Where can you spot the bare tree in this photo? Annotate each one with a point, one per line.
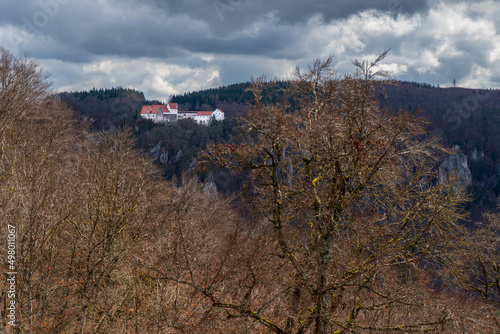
(78, 201)
(346, 194)
(477, 269)
(342, 226)
(36, 135)
(192, 252)
(104, 221)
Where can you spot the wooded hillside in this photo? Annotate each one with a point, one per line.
(340, 225)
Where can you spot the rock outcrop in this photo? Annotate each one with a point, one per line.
(455, 164)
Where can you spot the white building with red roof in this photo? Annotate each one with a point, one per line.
(203, 117)
(159, 113)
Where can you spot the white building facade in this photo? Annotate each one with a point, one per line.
(202, 117)
(169, 113)
(159, 113)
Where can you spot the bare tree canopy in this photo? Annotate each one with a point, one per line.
(342, 227)
(346, 192)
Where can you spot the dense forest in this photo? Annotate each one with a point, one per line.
(468, 119)
(341, 222)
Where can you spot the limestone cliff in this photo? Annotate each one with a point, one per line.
(455, 164)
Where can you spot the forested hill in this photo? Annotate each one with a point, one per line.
(465, 118)
(469, 118)
(336, 220)
(211, 97)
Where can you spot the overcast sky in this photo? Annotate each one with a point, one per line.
(166, 47)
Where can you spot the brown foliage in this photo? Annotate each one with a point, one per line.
(344, 228)
(346, 194)
(476, 268)
(79, 202)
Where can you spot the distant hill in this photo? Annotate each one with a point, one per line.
(195, 100)
(173, 146)
(108, 108)
(469, 118)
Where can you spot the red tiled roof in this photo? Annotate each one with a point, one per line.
(204, 113)
(173, 106)
(154, 109)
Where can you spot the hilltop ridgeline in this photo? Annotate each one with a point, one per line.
(467, 119)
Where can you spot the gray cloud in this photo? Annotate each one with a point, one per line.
(166, 47)
(224, 16)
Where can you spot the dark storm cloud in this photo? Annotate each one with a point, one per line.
(108, 28)
(167, 46)
(169, 29)
(226, 15)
